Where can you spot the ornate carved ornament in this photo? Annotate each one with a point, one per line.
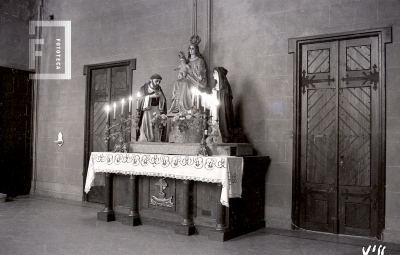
(161, 200)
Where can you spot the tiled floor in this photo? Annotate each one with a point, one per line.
(35, 226)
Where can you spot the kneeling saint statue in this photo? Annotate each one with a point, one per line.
(223, 113)
(151, 103)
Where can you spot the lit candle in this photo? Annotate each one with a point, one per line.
(204, 98)
(193, 94)
(130, 102)
(216, 109)
(198, 101)
(108, 111)
(115, 107)
(122, 104)
(138, 97)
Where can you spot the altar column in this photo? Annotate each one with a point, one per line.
(187, 226)
(108, 213)
(220, 212)
(220, 233)
(133, 218)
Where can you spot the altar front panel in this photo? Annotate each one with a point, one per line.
(242, 214)
(205, 198)
(147, 189)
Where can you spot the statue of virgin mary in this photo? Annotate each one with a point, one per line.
(195, 77)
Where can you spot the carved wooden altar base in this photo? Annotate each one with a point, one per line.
(196, 207)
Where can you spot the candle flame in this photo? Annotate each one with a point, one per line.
(115, 104)
(122, 101)
(107, 108)
(196, 91)
(138, 94)
(130, 98)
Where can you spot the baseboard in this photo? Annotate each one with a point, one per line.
(59, 195)
(333, 238)
(66, 201)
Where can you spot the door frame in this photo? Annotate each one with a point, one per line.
(87, 70)
(384, 36)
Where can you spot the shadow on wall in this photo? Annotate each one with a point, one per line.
(249, 110)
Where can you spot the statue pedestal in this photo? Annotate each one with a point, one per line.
(185, 130)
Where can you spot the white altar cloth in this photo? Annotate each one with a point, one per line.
(215, 169)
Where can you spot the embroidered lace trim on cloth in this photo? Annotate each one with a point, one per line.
(225, 170)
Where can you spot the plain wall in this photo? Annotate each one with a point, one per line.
(14, 34)
(249, 39)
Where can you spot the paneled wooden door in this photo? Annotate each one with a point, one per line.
(340, 136)
(16, 93)
(108, 85)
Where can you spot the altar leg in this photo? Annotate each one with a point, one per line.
(133, 218)
(220, 232)
(108, 213)
(187, 226)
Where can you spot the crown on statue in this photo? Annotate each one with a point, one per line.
(195, 39)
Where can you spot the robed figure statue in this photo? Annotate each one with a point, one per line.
(192, 74)
(150, 103)
(223, 113)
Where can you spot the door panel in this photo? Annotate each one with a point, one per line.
(358, 133)
(15, 128)
(339, 133)
(108, 85)
(318, 175)
(100, 83)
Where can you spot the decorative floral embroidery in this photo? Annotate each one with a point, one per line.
(153, 159)
(224, 170)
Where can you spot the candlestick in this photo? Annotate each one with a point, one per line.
(115, 107)
(205, 102)
(130, 102)
(138, 97)
(122, 104)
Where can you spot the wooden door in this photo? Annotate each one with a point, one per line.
(108, 85)
(340, 136)
(15, 132)
(358, 149)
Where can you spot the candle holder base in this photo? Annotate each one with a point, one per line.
(119, 132)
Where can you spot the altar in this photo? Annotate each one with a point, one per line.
(190, 166)
(219, 196)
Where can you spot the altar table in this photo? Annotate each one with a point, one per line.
(221, 196)
(226, 170)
